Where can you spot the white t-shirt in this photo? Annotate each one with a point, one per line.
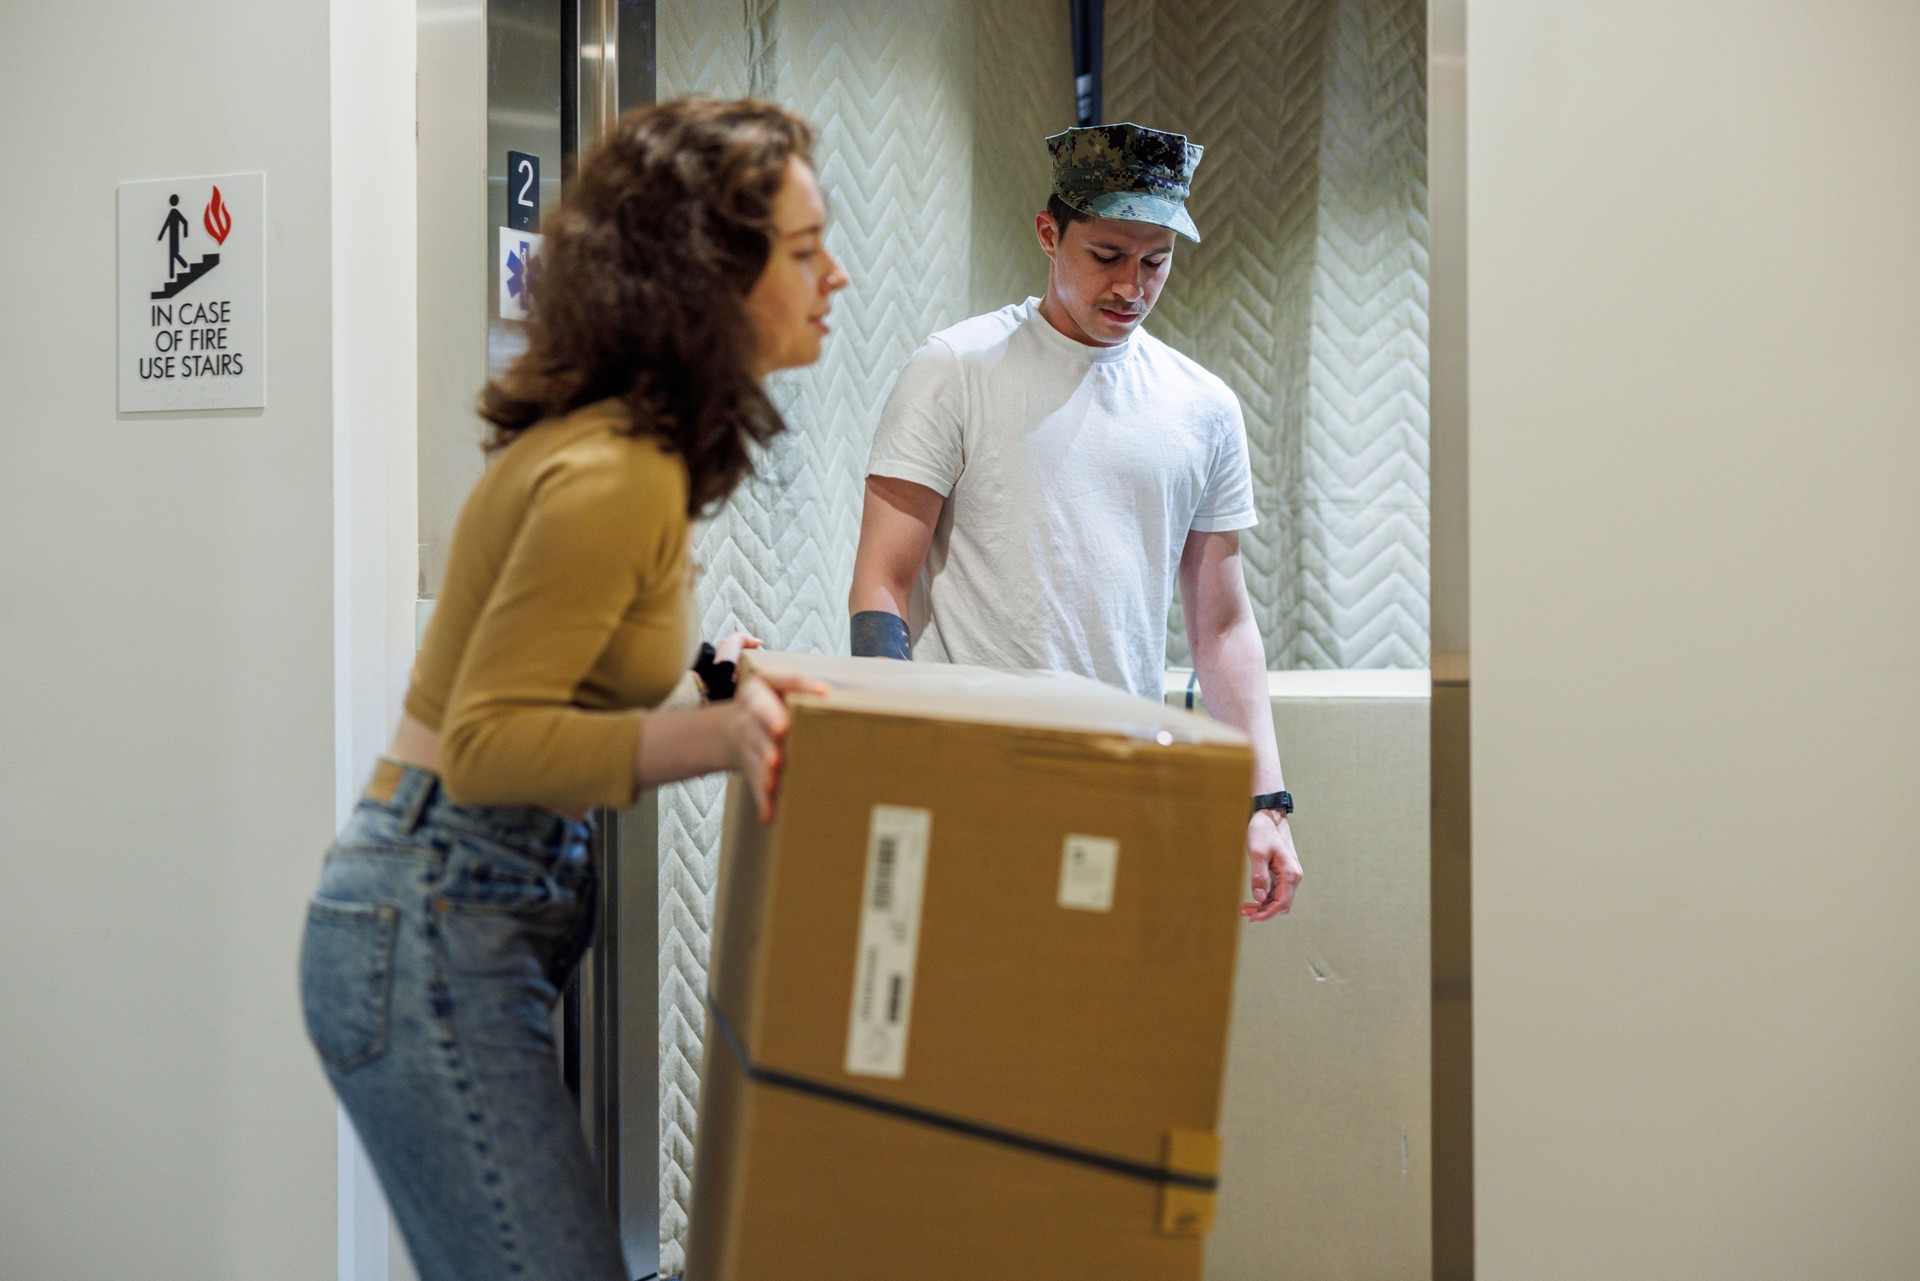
(1072, 476)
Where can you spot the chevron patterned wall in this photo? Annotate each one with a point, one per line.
(932, 197)
(1023, 83)
(1309, 295)
(695, 51)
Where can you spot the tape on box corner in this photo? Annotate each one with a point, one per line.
(1184, 1211)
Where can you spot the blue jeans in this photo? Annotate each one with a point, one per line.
(435, 948)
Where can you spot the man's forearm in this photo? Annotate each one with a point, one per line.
(877, 627)
(896, 531)
(869, 593)
(1232, 667)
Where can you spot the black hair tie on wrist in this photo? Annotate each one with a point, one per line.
(718, 677)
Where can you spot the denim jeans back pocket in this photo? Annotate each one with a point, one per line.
(346, 979)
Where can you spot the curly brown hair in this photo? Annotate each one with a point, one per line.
(640, 288)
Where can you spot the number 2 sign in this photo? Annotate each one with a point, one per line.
(523, 191)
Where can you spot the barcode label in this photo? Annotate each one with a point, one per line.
(886, 851)
(890, 900)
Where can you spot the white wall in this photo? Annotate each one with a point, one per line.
(1695, 384)
(167, 663)
(376, 493)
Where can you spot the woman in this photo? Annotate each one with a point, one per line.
(685, 265)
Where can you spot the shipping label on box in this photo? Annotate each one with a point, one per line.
(889, 941)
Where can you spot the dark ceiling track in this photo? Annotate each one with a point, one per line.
(1089, 35)
(569, 106)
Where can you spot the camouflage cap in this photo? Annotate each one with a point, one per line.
(1125, 171)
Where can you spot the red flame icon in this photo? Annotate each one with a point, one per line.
(216, 219)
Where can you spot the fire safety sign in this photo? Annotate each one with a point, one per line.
(193, 304)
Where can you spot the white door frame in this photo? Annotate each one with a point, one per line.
(375, 447)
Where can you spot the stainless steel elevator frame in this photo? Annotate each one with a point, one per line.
(558, 75)
(612, 1019)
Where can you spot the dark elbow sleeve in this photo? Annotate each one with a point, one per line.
(879, 634)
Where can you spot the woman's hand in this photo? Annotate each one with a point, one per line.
(747, 733)
(757, 732)
(730, 649)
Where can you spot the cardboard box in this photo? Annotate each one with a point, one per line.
(1328, 1105)
(969, 993)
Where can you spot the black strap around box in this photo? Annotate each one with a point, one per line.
(957, 1125)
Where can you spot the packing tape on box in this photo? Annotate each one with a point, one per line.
(1196, 1176)
(1187, 1211)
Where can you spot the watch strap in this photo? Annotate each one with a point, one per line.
(1282, 801)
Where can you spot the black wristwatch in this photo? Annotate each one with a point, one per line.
(715, 677)
(1282, 801)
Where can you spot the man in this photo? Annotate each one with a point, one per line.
(1044, 474)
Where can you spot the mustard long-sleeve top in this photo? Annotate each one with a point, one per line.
(565, 612)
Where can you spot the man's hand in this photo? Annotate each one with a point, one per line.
(1276, 868)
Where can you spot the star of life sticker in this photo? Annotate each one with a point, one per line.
(518, 252)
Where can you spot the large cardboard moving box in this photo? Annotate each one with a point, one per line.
(969, 992)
